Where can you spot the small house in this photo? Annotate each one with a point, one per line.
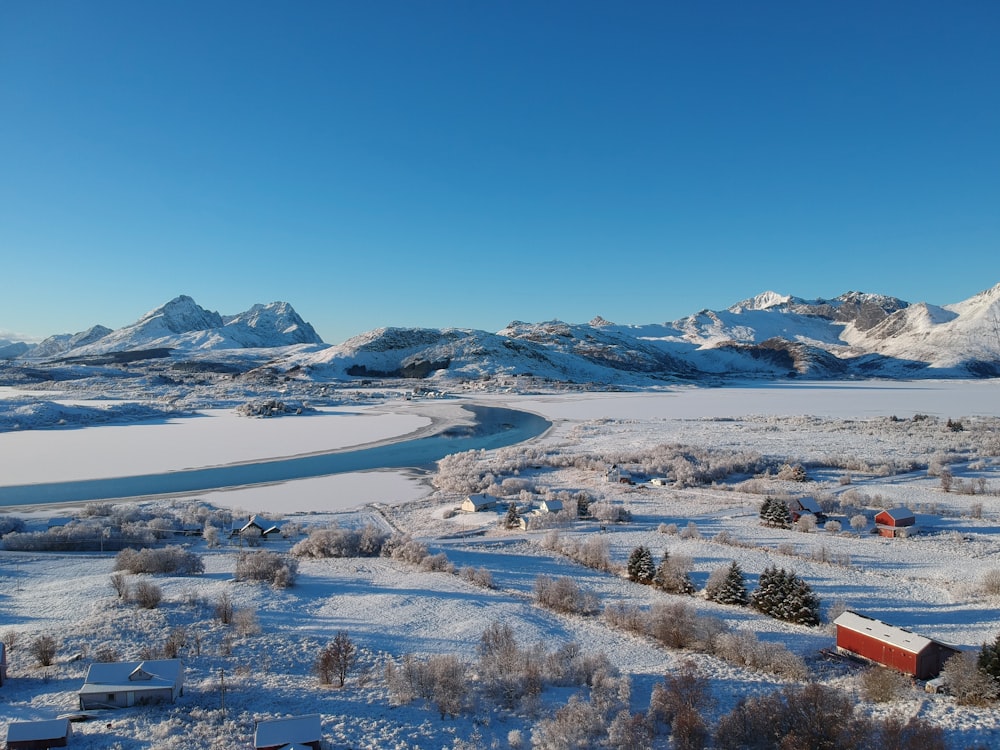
(659, 481)
(802, 506)
(38, 735)
(291, 732)
(3, 664)
(256, 528)
(895, 522)
(617, 475)
(478, 502)
(550, 506)
(129, 683)
(889, 646)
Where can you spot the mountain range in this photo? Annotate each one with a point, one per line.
(769, 335)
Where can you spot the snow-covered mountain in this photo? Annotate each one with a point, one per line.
(182, 324)
(768, 335)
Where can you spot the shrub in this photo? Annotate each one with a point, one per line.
(167, 560)
(245, 622)
(990, 582)
(267, 567)
(881, 685)
(832, 527)
(146, 594)
(119, 582)
(686, 689)
(967, 682)
(563, 595)
(859, 522)
(672, 575)
(44, 649)
(792, 473)
(336, 542)
(477, 576)
(224, 608)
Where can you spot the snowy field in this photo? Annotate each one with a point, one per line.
(929, 583)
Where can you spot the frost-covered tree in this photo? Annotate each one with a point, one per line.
(672, 575)
(513, 518)
(640, 566)
(726, 586)
(774, 513)
(989, 659)
(785, 596)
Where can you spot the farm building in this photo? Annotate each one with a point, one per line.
(802, 506)
(550, 506)
(38, 735)
(129, 683)
(478, 502)
(294, 731)
(895, 522)
(617, 475)
(884, 644)
(253, 527)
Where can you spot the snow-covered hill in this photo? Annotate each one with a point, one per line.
(767, 336)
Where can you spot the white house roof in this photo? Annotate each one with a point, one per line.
(481, 500)
(890, 634)
(271, 732)
(109, 677)
(23, 731)
(552, 505)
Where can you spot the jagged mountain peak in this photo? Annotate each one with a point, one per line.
(763, 301)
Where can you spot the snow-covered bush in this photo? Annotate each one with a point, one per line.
(146, 594)
(562, 594)
(44, 648)
(881, 685)
(970, 685)
(175, 560)
(337, 542)
(267, 567)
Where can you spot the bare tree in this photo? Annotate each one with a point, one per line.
(44, 649)
(146, 594)
(224, 608)
(119, 582)
(336, 659)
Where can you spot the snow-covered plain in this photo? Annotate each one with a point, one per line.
(927, 583)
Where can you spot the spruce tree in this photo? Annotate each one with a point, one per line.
(640, 565)
(785, 596)
(728, 589)
(513, 519)
(775, 513)
(989, 659)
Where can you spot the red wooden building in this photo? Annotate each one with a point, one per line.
(875, 641)
(891, 522)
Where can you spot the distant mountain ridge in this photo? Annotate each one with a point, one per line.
(183, 324)
(766, 336)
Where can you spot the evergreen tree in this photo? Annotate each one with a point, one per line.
(775, 513)
(989, 659)
(785, 596)
(513, 519)
(671, 577)
(728, 588)
(640, 566)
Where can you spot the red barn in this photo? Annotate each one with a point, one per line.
(890, 522)
(890, 646)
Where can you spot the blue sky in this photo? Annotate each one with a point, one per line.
(469, 163)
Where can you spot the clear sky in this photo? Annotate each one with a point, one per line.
(467, 163)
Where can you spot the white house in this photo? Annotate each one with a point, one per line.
(478, 502)
(617, 475)
(129, 683)
(550, 506)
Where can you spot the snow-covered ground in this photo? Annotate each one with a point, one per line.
(928, 583)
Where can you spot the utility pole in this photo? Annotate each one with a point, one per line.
(222, 690)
